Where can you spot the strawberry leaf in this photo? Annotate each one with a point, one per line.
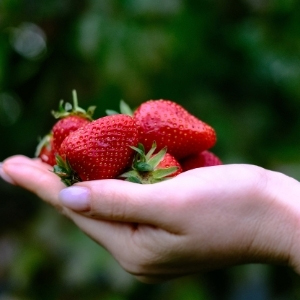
(44, 142)
(63, 170)
(125, 108)
(133, 179)
(151, 151)
(68, 106)
(157, 158)
(110, 112)
(139, 151)
(91, 110)
(146, 168)
(162, 173)
(128, 174)
(143, 167)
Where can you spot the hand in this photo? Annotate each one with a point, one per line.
(203, 219)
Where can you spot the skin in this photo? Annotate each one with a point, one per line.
(203, 219)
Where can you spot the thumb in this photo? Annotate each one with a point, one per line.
(122, 201)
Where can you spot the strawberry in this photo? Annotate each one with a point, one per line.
(202, 159)
(71, 118)
(44, 150)
(64, 127)
(170, 125)
(98, 150)
(170, 161)
(150, 167)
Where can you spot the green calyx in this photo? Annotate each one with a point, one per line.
(64, 171)
(145, 167)
(43, 142)
(124, 109)
(67, 109)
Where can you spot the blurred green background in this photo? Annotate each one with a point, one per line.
(234, 64)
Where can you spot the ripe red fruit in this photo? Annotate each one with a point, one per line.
(64, 127)
(71, 117)
(170, 125)
(98, 150)
(168, 162)
(202, 159)
(151, 168)
(44, 150)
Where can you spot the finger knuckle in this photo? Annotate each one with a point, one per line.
(140, 263)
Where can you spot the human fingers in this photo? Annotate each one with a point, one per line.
(130, 202)
(130, 243)
(34, 176)
(123, 201)
(147, 252)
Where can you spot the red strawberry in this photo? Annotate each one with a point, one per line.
(170, 125)
(64, 127)
(168, 162)
(44, 150)
(98, 150)
(71, 118)
(152, 168)
(202, 159)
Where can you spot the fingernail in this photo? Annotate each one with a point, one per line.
(75, 198)
(4, 176)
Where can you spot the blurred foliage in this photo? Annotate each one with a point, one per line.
(234, 64)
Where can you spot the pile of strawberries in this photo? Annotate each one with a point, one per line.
(157, 141)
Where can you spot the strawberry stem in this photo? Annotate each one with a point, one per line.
(75, 99)
(76, 108)
(69, 109)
